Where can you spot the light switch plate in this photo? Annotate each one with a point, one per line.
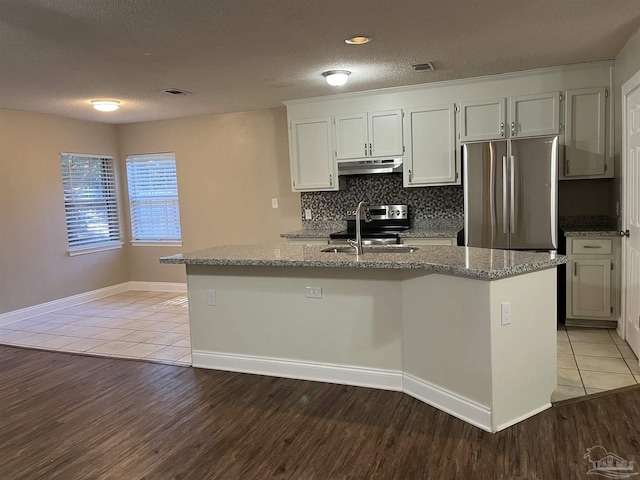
(274, 203)
(211, 298)
(505, 309)
(307, 214)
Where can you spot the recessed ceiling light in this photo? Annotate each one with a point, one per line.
(105, 105)
(358, 40)
(336, 78)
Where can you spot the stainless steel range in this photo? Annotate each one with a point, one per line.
(387, 222)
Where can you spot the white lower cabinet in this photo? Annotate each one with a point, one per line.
(592, 278)
(431, 157)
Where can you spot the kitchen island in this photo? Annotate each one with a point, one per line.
(428, 323)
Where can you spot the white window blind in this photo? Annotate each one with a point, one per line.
(153, 197)
(90, 201)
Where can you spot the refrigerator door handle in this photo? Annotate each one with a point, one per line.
(512, 188)
(505, 193)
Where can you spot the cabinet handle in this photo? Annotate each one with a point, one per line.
(592, 246)
(513, 129)
(409, 176)
(502, 129)
(370, 151)
(365, 149)
(575, 269)
(331, 180)
(568, 166)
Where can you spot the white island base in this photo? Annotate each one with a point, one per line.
(436, 337)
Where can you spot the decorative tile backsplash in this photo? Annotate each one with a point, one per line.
(424, 202)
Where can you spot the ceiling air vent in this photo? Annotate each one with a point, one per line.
(176, 91)
(423, 67)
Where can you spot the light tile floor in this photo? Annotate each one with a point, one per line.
(593, 360)
(145, 325)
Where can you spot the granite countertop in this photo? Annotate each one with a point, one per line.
(310, 233)
(589, 226)
(479, 263)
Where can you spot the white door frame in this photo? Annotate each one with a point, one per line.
(629, 86)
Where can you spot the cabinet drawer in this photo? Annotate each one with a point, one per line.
(596, 246)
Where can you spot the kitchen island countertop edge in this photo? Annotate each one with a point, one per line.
(479, 263)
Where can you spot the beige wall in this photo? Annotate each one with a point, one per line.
(229, 168)
(34, 264)
(627, 64)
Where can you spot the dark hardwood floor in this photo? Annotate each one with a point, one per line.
(70, 417)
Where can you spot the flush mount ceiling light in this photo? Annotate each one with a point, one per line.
(358, 40)
(105, 105)
(336, 78)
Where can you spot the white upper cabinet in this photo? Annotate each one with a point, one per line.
(373, 134)
(352, 139)
(585, 151)
(534, 115)
(528, 116)
(482, 120)
(313, 165)
(431, 157)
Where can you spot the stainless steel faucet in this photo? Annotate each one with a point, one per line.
(357, 243)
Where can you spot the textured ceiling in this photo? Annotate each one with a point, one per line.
(237, 55)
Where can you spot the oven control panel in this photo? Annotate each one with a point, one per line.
(383, 212)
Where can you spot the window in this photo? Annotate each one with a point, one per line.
(153, 198)
(90, 202)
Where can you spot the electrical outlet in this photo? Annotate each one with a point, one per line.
(505, 309)
(274, 203)
(307, 214)
(313, 292)
(211, 298)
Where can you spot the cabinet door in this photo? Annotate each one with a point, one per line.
(312, 161)
(431, 146)
(584, 153)
(351, 136)
(534, 115)
(591, 288)
(385, 133)
(482, 120)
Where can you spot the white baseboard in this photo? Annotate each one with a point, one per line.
(460, 407)
(533, 412)
(159, 286)
(52, 306)
(319, 372)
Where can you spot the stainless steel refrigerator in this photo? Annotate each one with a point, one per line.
(510, 194)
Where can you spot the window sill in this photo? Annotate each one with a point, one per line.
(99, 248)
(156, 243)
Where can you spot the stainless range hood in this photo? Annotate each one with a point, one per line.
(364, 166)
